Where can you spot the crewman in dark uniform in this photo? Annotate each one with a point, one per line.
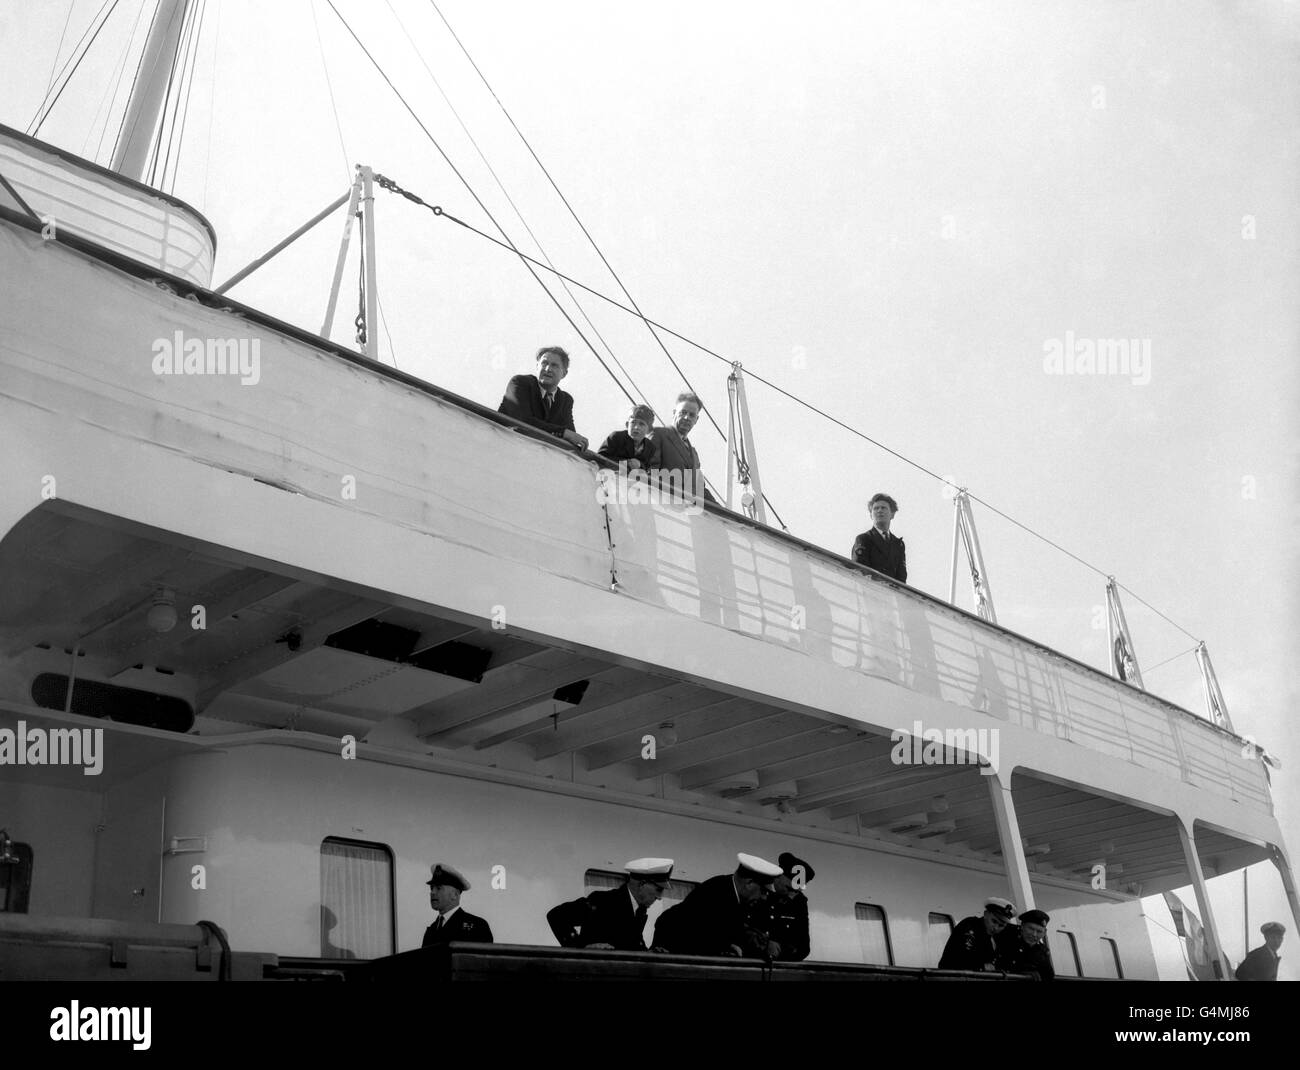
(1261, 964)
(1023, 948)
(614, 919)
(712, 920)
(972, 945)
(445, 887)
(783, 915)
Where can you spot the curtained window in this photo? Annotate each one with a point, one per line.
(357, 917)
(873, 935)
(937, 930)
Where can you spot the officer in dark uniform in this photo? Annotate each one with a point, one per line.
(972, 945)
(1261, 964)
(445, 887)
(783, 915)
(614, 919)
(1023, 948)
(713, 919)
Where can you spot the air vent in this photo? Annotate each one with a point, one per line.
(376, 639)
(127, 705)
(457, 659)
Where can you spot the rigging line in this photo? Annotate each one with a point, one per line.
(50, 107)
(510, 200)
(329, 85)
(1158, 613)
(387, 334)
(55, 63)
(121, 71)
(827, 416)
(212, 97)
(1150, 669)
(177, 76)
(110, 94)
(31, 123)
(192, 68)
(157, 145)
(447, 159)
(583, 228)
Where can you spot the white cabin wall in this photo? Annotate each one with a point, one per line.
(266, 810)
(59, 823)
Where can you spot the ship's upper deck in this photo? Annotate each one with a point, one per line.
(327, 492)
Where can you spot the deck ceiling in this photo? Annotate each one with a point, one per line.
(281, 651)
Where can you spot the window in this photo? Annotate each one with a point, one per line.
(937, 931)
(873, 934)
(1110, 959)
(357, 917)
(598, 880)
(1065, 954)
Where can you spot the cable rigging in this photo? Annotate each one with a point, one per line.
(635, 307)
(74, 61)
(447, 159)
(514, 207)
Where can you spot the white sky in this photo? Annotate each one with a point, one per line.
(890, 209)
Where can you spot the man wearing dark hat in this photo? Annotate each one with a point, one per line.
(1023, 948)
(783, 916)
(973, 944)
(445, 887)
(1261, 964)
(712, 919)
(613, 919)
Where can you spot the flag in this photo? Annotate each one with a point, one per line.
(1188, 926)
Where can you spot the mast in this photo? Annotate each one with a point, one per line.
(149, 94)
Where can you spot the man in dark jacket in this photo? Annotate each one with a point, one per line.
(712, 919)
(445, 887)
(972, 945)
(538, 399)
(1023, 948)
(783, 915)
(878, 548)
(679, 463)
(1261, 964)
(614, 919)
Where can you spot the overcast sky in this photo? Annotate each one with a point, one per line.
(897, 211)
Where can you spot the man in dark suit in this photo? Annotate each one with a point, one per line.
(445, 887)
(712, 919)
(1261, 964)
(613, 919)
(538, 399)
(679, 463)
(877, 548)
(1023, 948)
(973, 944)
(783, 915)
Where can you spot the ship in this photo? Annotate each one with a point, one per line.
(283, 625)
